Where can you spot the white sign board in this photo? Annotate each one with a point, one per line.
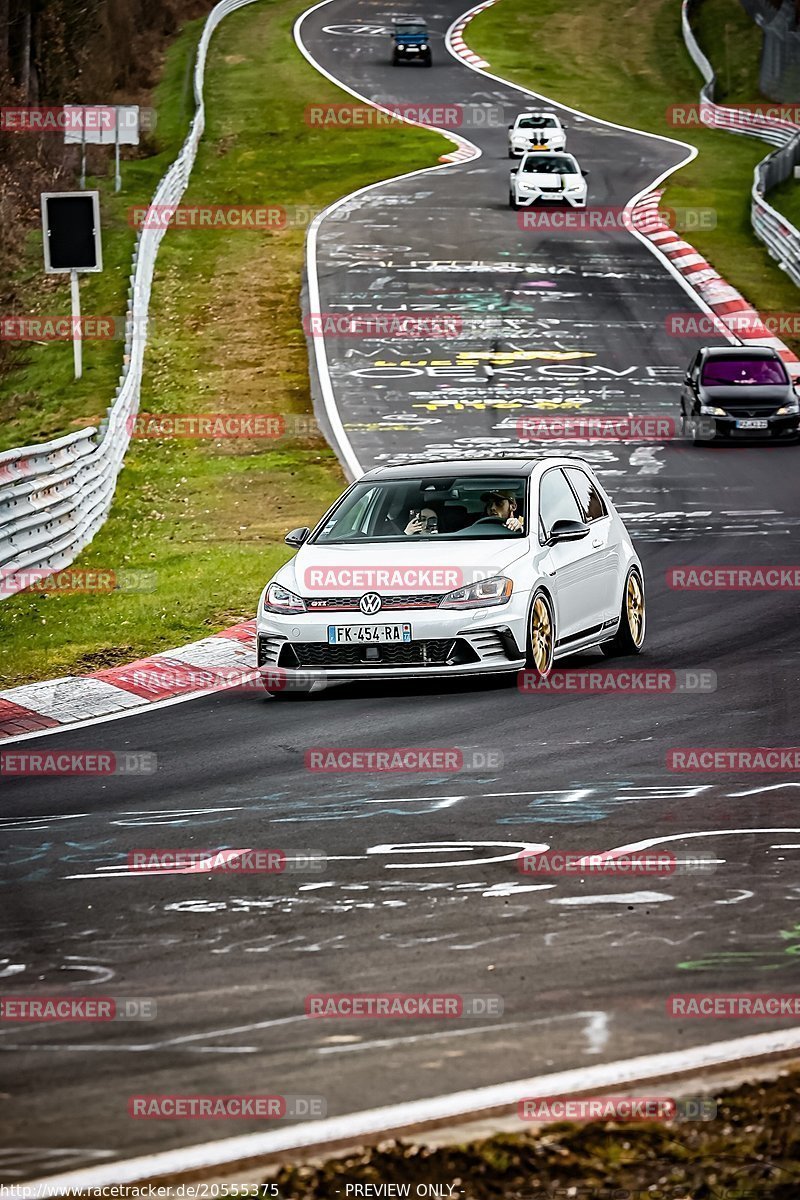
(101, 124)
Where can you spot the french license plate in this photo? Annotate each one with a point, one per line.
(354, 635)
(752, 424)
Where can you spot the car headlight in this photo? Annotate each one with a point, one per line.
(710, 410)
(279, 599)
(481, 594)
(574, 187)
(424, 46)
(787, 409)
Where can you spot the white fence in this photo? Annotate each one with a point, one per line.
(775, 231)
(54, 497)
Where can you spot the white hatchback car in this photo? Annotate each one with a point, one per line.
(454, 568)
(537, 130)
(549, 178)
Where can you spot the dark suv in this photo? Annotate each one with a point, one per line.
(736, 393)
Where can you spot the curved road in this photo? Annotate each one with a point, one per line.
(420, 891)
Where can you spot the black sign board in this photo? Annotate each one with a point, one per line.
(71, 231)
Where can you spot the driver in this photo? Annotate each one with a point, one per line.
(502, 505)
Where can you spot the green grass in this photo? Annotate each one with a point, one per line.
(205, 519)
(633, 79)
(41, 399)
(731, 41)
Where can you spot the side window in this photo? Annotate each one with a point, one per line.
(357, 517)
(556, 501)
(589, 498)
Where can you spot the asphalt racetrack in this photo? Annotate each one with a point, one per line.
(421, 891)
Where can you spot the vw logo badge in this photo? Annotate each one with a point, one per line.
(370, 603)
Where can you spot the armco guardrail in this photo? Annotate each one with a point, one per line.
(778, 235)
(54, 497)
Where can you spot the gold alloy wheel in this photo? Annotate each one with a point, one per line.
(541, 635)
(634, 604)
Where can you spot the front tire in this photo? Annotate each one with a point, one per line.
(541, 636)
(512, 201)
(629, 638)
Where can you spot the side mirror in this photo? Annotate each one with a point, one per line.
(514, 170)
(567, 531)
(585, 174)
(296, 537)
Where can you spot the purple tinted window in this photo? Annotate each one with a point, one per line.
(729, 372)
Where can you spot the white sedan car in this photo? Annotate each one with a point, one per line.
(545, 177)
(535, 131)
(453, 568)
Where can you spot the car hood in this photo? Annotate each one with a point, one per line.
(746, 394)
(543, 178)
(407, 567)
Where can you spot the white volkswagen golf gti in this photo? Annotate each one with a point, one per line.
(453, 568)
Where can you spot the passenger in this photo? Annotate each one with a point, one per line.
(425, 521)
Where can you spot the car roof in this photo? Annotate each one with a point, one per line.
(425, 469)
(746, 351)
(408, 21)
(537, 112)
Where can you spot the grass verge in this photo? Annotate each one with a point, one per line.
(630, 67)
(749, 1151)
(204, 520)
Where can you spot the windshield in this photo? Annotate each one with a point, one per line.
(536, 123)
(451, 508)
(411, 29)
(550, 164)
(732, 372)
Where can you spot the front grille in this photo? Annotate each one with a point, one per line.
(430, 653)
(350, 603)
(749, 409)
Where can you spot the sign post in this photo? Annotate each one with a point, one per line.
(102, 125)
(71, 240)
(77, 341)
